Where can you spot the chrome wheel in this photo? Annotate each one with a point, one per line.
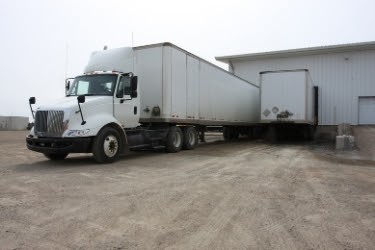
(177, 140)
(191, 138)
(110, 145)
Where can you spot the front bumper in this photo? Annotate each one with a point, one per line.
(60, 145)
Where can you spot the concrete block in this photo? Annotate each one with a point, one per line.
(344, 142)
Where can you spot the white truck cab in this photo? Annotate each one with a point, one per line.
(94, 101)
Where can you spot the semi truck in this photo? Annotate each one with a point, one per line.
(289, 103)
(148, 97)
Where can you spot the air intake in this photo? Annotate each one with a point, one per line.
(49, 123)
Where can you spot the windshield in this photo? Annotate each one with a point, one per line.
(93, 85)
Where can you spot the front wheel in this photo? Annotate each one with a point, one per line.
(55, 157)
(107, 145)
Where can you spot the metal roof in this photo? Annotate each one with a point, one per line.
(300, 52)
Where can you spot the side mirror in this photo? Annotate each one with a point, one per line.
(81, 99)
(67, 85)
(134, 86)
(32, 100)
(68, 81)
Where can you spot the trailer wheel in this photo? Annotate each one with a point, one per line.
(174, 140)
(55, 157)
(107, 145)
(190, 137)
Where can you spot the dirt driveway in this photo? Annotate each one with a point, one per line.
(240, 195)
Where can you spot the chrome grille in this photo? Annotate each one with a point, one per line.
(49, 123)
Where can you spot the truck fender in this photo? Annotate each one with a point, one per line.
(124, 139)
(107, 121)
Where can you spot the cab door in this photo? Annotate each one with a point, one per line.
(126, 108)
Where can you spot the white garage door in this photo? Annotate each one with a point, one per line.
(366, 110)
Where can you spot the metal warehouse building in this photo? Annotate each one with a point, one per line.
(345, 75)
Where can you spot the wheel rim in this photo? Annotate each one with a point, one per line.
(110, 145)
(177, 140)
(191, 138)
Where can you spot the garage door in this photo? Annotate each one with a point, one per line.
(366, 110)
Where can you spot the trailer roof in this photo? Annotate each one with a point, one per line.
(192, 55)
(300, 52)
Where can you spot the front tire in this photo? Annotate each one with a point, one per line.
(107, 145)
(55, 156)
(174, 140)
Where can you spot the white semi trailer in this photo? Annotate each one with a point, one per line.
(155, 96)
(289, 101)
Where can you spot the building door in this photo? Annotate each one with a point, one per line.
(366, 106)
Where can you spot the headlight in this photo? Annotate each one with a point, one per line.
(74, 133)
(32, 131)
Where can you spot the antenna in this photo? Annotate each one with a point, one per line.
(66, 59)
(133, 50)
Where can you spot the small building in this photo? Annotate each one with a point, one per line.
(13, 122)
(345, 75)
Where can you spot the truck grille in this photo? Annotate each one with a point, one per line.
(49, 123)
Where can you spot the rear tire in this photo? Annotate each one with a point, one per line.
(107, 145)
(190, 136)
(174, 140)
(55, 157)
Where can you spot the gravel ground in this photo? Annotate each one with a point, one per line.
(365, 140)
(239, 195)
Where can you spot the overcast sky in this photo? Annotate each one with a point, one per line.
(42, 42)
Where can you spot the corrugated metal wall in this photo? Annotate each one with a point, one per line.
(341, 77)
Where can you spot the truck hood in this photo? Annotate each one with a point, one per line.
(70, 102)
(94, 108)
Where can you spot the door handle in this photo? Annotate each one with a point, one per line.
(123, 100)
